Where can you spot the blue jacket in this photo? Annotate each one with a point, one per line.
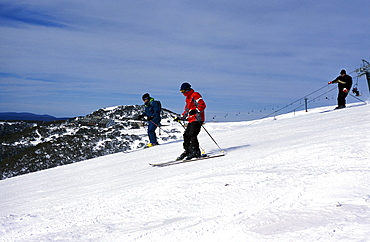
(153, 109)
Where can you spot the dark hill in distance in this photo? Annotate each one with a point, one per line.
(28, 116)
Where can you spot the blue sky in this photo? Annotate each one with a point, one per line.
(247, 58)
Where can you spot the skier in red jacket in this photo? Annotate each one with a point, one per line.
(194, 114)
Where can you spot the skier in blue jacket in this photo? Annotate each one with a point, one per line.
(153, 113)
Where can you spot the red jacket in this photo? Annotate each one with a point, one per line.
(194, 101)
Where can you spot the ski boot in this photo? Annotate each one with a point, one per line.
(151, 145)
(194, 154)
(182, 156)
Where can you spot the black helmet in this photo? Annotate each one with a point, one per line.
(185, 87)
(146, 96)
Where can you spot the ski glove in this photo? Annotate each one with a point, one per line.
(177, 119)
(345, 90)
(150, 118)
(192, 112)
(330, 82)
(141, 116)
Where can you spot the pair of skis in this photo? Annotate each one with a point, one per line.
(175, 162)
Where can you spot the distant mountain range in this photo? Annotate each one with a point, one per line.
(28, 116)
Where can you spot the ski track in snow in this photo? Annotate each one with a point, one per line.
(298, 178)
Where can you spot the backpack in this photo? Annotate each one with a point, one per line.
(159, 103)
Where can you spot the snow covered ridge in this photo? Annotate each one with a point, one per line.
(302, 177)
(28, 147)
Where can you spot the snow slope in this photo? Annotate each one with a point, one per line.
(302, 177)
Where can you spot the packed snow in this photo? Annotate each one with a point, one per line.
(300, 177)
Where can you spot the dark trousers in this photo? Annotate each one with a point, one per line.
(151, 132)
(191, 143)
(342, 99)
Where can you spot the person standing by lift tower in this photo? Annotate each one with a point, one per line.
(344, 86)
(195, 115)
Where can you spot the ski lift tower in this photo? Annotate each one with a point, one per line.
(364, 70)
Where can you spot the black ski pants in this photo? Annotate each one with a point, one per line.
(191, 143)
(342, 98)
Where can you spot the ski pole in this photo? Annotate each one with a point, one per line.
(222, 151)
(156, 125)
(143, 124)
(160, 128)
(142, 121)
(182, 125)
